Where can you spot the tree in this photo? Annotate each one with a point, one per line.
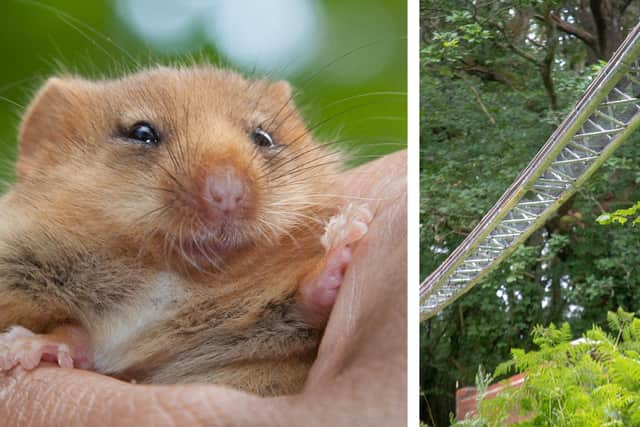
(593, 381)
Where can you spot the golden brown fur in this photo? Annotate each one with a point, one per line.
(98, 229)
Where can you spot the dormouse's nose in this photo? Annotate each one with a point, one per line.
(224, 190)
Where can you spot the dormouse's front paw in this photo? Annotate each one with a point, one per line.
(64, 346)
(341, 232)
(349, 226)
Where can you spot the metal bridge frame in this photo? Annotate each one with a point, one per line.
(605, 116)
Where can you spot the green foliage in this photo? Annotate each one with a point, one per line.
(482, 381)
(621, 216)
(594, 381)
(448, 47)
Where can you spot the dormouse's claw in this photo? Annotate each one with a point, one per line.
(349, 226)
(20, 346)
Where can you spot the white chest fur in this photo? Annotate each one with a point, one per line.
(116, 333)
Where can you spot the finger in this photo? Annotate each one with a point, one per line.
(63, 398)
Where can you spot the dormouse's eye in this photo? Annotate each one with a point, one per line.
(263, 139)
(143, 132)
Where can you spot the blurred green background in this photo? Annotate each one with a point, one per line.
(346, 57)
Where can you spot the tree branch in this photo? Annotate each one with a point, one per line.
(624, 6)
(547, 62)
(521, 53)
(515, 49)
(479, 100)
(485, 73)
(581, 34)
(597, 7)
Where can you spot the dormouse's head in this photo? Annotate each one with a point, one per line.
(196, 161)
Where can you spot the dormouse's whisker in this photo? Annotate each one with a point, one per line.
(173, 178)
(324, 121)
(12, 102)
(306, 167)
(321, 70)
(296, 157)
(303, 182)
(322, 155)
(346, 99)
(68, 19)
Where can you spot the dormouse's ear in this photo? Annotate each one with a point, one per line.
(48, 118)
(281, 91)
